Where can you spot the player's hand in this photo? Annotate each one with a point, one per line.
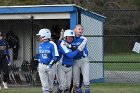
(48, 67)
(73, 48)
(68, 45)
(80, 48)
(61, 34)
(9, 64)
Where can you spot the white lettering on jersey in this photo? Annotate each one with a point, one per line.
(44, 56)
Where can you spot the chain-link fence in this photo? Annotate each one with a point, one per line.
(121, 31)
(112, 59)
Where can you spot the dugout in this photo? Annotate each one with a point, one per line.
(26, 21)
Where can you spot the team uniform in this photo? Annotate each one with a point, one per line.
(66, 62)
(81, 64)
(4, 61)
(47, 56)
(65, 67)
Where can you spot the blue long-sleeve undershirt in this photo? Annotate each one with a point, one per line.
(72, 54)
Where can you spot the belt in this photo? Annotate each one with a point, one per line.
(79, 58)
(66, 65)
(45, 63)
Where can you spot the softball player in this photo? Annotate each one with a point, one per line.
(81, 60)
(47, 56)
(66, 62)
(4, 60)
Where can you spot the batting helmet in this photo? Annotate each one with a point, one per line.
(45, 33)
(69, 33)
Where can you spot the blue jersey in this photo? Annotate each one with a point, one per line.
(4, 51)
(78, 41)
(66, 54)
(47, 52)
(4, 47)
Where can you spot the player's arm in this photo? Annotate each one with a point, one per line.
(72, 53)
(83, 43)
(8, 56)
(7, 52)
(70, 46)
(67, 52)
(52, 61)
(54, 54)
(61, 35)
(80, 47)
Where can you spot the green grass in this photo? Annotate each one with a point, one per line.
(22, 90)
(125, 57)
(122, 66)
(122, 62)
(95, 88)
(115, 88)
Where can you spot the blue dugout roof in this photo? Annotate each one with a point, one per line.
(44, 9)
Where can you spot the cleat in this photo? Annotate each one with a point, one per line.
(5, 85)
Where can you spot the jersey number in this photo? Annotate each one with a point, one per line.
(44, 56)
